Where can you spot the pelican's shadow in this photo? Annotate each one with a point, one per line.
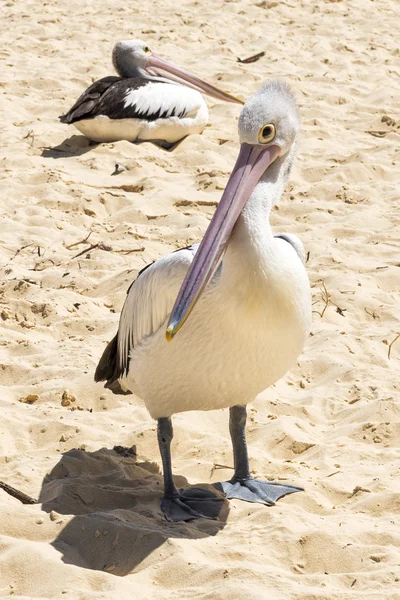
(76, 145)
(115, 501)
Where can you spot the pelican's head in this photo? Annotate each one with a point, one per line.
(134, 58)
(130, 57)
(270, 118)
(268, 129)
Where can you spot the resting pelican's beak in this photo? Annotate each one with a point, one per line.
(158, 66)
(250, 166)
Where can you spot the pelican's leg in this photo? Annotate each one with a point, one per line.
(162, 143)
(165, 145)
(243, 485)
(183, 505)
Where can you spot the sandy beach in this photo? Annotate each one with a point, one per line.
(72, 239)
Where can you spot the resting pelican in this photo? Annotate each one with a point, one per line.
(150, 100)
(246, 298)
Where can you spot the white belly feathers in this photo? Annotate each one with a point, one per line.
(229, 351)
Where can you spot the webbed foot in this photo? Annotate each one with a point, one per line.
(191, 503)
(256, 490)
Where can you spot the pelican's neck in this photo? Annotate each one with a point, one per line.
(252, 235)
(122, 63)
(124, 67)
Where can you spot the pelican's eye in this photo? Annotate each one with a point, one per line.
(266, 133)
(146, 49)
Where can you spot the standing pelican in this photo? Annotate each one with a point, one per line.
(150, 100)
(248, 297)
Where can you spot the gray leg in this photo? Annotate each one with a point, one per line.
(165, 433)
(242, 485)
(237, 429)
(184, 505)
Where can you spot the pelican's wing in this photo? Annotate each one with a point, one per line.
(134, 98)
(87, 103)
(147, 306)
(296, 242)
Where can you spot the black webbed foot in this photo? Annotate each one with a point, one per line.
(191, 503)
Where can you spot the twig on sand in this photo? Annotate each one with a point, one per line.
(16, 254)
(107, 248)
(20, 250)
(24, 498)
(218, 466)
(372, 313)
(80, 242)
(325, 298)
(31, 135)
(391, 344)
(332, 474)
(251, 59)
(86, 250)
(123, 251)
(99, 245)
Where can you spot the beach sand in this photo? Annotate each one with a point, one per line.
(73, 238)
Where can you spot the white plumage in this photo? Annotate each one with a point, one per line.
(247, 317)
(235, 344)
(168, 99)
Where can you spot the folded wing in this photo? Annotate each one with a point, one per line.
(147, 307)
(134, 98)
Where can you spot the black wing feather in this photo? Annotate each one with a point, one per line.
(108, 370)
(89, 100)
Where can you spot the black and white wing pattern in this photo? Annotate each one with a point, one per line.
(161, 100)
(148, 304)
(134, 98)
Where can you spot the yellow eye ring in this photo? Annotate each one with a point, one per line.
(146, 49)
(266, 133)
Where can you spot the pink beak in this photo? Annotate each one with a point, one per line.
(250, 166)
(158, 66)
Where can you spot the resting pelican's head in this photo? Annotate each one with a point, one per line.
(134, 58)
(130, 58)
(268, 129)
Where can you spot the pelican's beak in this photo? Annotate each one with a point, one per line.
(250, 166)
(158, 66)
